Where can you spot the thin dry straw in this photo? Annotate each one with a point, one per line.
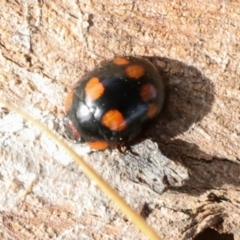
(138, 221)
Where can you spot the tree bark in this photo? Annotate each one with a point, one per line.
(184, 175)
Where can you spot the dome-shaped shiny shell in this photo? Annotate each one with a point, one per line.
(111, 104)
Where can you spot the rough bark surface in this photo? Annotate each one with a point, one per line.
(184, 178)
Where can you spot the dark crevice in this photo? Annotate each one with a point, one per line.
(210, 234)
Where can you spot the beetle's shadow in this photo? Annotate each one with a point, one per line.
(190, 96)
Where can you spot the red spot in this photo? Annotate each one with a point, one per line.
(121, 61)
(68, 101)
(152, 110)
(94, 89)
(148, 92)
(100, 145)
(72, 130)
(114, 120)
(134, 71)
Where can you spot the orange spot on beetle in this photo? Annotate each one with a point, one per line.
(148, 92)
(134, 71)
(152, 110)
(68, 101)
(94, 89)
(114, 120)
(100, 145)
(121, 61)
(75, 134)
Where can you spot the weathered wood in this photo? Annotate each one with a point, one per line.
(185, 177)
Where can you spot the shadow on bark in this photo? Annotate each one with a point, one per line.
(190, 99)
